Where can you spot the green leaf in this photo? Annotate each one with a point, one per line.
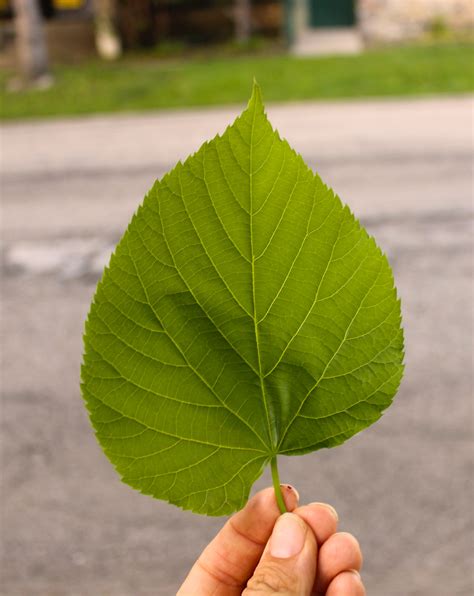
(245, 313)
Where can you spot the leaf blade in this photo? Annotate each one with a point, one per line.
(245, 313)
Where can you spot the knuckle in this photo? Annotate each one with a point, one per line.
(270, 578)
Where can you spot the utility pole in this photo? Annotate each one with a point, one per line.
(31, 45)
(243, 20)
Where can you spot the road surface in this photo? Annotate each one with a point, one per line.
(404, 486)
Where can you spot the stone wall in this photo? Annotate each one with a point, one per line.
(386, 21)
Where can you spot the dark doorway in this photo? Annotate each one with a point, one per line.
(332, 13)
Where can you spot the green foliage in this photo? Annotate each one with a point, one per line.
(244, 314)
(146, 83)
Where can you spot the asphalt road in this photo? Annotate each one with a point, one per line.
(404, 486)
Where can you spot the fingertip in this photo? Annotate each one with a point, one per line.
(327, 506)
(290, 495)
(288, 563)
(257, 518)
(265, 500)
(288, 536)
(338, 554)
(321, 518)
(347, 583)
(352, 545)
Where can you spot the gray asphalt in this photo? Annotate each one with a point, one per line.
(404, 486)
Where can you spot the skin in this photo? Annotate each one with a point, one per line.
(259, 551)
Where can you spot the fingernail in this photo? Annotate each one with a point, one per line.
(330, 507)
(291, 489)
(354, 572)
(288, 536)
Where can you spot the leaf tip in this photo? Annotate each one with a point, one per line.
(256, 100)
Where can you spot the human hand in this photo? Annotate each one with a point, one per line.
(259, 552)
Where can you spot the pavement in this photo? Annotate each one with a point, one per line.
(403, 487)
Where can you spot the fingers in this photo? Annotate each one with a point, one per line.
(321, 518)
(340, 553)
(290, 553)
(229, 560)
(288, 564)
(347, 583)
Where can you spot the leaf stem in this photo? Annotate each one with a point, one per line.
(276, 485)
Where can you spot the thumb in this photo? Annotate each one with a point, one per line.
(288, 564)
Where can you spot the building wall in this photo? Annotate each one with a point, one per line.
(385, 21)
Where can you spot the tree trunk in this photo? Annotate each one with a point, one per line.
(243, 20)
(107, 38)
(31, 43)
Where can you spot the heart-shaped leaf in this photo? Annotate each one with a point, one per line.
(244, 314)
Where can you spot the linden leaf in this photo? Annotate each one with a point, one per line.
(245, 313)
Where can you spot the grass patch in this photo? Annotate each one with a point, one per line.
(138, 83)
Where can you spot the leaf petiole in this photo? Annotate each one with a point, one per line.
(276, 485)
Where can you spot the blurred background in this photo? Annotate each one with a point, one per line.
(100, 98)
